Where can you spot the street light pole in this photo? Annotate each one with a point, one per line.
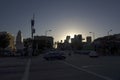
(109, 32)
(32, 26)
(93, 35)
(32, 32)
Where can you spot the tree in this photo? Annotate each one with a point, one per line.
(27, 42)
(4, 40)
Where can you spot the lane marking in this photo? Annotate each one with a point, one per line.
(90, 72)
(92, 66)
(27, 69)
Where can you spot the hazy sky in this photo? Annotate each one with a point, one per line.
(63, 17)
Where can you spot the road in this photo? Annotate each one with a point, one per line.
(75, 67)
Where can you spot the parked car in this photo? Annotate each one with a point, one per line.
(93, 54)
(54, 55)
(8, 53)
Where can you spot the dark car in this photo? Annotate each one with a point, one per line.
(54, 56)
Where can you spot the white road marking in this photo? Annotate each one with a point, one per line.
(90, 72)
(92, 66)
(27, 68)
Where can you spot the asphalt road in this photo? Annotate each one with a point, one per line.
(75, 67)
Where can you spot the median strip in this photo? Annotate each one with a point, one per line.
(27, 69)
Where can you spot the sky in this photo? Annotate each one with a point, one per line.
(63, 17)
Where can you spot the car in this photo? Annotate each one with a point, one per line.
(93, 54)
(8, 53)
(54, 56)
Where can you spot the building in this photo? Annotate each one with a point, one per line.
(88, 44)
(43, 42)
(60, 46)
(67, 39)
(89, 39)
(76, 42)
(108, 45)
(19, 41)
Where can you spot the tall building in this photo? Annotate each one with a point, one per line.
(76, 42)
(88, 39)
(19, 41)
(67, 39)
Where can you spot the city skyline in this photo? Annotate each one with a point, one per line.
(62, 17)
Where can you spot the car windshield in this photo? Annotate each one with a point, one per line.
(59, 39)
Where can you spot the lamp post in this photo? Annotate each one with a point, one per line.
(32, 26)
(109, 32)
(93, 35)
(47, 32)
(32, 32)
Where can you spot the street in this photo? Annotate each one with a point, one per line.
(75, 67)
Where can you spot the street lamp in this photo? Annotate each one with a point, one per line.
(32, 32)
(93, 35)
(47, 31)
(109, 32)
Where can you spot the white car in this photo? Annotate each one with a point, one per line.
(93, 54)
(54, 56)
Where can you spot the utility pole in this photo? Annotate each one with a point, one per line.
(93, 35)
(109, 32)
(32, 26)
(32, 32)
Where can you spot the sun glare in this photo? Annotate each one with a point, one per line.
(71, 34)
(70, 28)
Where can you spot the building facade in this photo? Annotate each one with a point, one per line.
(89, 39)
(76, 42)
(43, 42)
(19, 41)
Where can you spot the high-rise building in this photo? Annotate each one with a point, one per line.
(88, 39)
(67, 39)
(19, 41)
(76, 42)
